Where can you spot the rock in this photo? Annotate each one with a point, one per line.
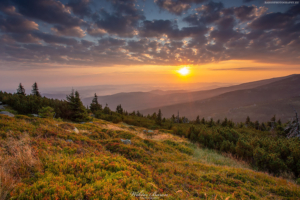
(126, 141)
(68, 140)
(2, 107)
(36, 115)
(150, 131)
(1, 103)
(76, 130)
(82, 122)
(7, 113)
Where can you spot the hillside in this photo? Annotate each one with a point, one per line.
(49, 159)
(153, 99)
(237, 105)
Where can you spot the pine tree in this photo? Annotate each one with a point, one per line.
(119, 110)
(95, 106)
(248, 120)
(21, 90)
(35, 90)
(106, 110)
(159, 117)
(198, 120)
(203, 121)
(78, 110)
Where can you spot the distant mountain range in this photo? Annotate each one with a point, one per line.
(259, 100)
(158, 99)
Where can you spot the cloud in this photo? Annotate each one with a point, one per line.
(17, 24)
(53, 39)
(123, 21)
(272, 21)
(177, 7)
(50, 11)
(244, 69)
(80, 7)
(158, 28)
(207, 14)
(75, 31)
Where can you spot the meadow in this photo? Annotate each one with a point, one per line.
(47, 159)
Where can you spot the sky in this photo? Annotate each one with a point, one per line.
(72, 43)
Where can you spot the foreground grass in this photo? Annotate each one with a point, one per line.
(95, 164)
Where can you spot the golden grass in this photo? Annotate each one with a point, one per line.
(17, 161)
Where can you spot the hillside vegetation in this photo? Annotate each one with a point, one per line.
(47, 159)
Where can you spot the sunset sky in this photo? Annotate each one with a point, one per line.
(94, 42)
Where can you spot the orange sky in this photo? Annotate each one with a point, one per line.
(232, 71)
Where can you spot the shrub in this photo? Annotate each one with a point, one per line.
(46, 112)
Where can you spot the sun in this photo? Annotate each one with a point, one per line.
(184, 71)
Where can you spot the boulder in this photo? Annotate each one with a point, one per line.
(76, 130)
(35, 115)
(126, 141)
(1, 103)
(82, 122)
(68, 140)
(7, 113)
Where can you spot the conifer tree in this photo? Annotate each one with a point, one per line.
(198, 120)
(35, 90)
(78, 110)
(159, 117)
(248, 120)
(106, 110)
(21, 90)
(119, 110)
(95, 106)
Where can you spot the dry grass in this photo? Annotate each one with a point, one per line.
(17, 161)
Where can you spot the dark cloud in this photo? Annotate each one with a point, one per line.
(214, 33)
(272, 21)
(80, 7)
(50, 11)
(87, 43)
(158, 28)
(17, 24)
(177, 7)
(123, 21)
(74, 31)
(53, 39)
(248, 1)
(207, 14)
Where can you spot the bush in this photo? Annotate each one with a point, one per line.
(46, 112)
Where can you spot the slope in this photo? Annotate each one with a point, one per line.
(46, 159)
(226, 103)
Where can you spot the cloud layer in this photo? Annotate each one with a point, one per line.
(86, 33)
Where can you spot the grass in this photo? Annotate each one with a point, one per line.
(210, 156)
(53, 162)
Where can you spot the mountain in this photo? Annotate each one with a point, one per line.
(270, 98)
(158, 98)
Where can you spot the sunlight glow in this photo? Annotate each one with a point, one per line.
(184, 71)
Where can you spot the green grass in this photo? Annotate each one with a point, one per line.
(210, 156)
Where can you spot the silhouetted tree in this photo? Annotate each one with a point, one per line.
(106, 109)
(248, 120)
(198, 120)
(203, 121)
(35, 90)
(95, 106)
(159, 117)
(78, 110)
(119, 109)
(21, 90)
